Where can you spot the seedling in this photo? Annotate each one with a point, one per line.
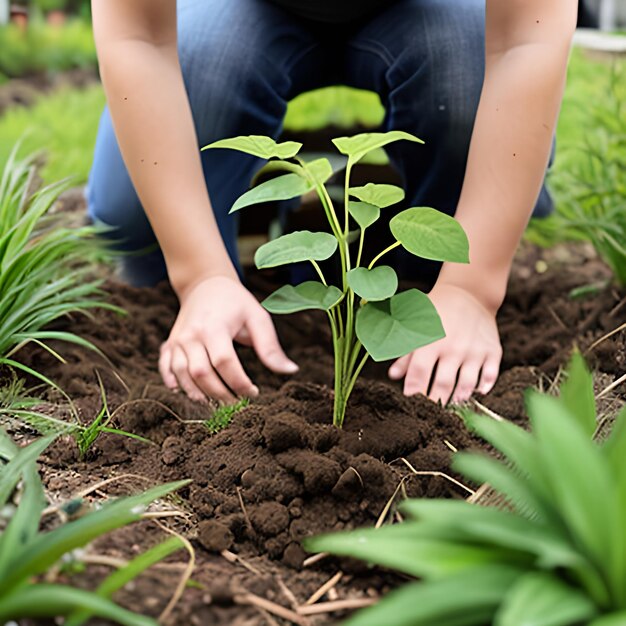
(86, 436)
(26, 553)
(15, 404)
(367, 315)
(223, 415)
(554, 555)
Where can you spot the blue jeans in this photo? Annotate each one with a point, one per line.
(243, 60)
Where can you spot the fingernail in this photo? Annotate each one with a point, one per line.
(394, 373)
(254, 391)
(291, 367)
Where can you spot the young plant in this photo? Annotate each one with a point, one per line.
(44, 266)
(554, 556)
(223, 415)
(26, 553)
(368, 318)
(17, 405)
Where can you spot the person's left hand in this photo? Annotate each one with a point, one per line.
(466, 359)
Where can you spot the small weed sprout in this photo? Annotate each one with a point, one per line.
(223, 415)
(368, 318)
(17, 405)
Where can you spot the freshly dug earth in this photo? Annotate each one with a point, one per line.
(281, 472)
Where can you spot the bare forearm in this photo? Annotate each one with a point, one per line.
(155, 130)
(508, 157)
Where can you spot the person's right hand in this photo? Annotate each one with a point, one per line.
(199, 356)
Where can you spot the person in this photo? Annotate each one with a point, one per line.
(480, 81)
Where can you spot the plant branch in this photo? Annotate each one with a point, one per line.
(378, 256)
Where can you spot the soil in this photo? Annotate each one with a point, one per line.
(281, 472)
(25, 91)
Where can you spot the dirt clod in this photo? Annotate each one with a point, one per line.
(215, 536)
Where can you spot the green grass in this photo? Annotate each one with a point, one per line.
(588, 84)
(223, 416)
(587, 80)
(62, 125)
(45, 48)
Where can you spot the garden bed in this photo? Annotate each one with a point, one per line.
(281, 472)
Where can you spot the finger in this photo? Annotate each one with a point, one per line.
(444, 380)
(225, 361)
(243, 337)
(180, 368)
(399, 368)
(468, 380)
(203, 374)
(420, 371)
(266, 345)
(489, 373)
(165, 367)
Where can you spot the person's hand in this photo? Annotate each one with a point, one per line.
(199, 356)
(466, 359)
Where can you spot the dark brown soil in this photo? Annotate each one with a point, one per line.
(281, 472)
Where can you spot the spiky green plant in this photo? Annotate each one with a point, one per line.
(26, 553)
(555, 556)
(45, 267)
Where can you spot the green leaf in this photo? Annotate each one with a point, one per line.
(489, 527)
(54, 600)
(469, 598)
(577, 394)
(24, 525)
(380, 195)
(12, 471)
(431, 234)
(579, 479)
(307, 295)
(540, 599)
(614, 619)
(373, 285)
(46, 549)
(518, 446)
(409, 549)
(320, 169)
(358, 146)
(282, 187)
(395, 327)
(259, 146)
(302, 245)
(511, 485)
(364, 214)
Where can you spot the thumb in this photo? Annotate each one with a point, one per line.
(265, 343)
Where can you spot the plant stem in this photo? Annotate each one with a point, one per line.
(360, 253)
(378, 256)
(318, 269)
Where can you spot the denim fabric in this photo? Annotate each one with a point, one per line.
(243, 60)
